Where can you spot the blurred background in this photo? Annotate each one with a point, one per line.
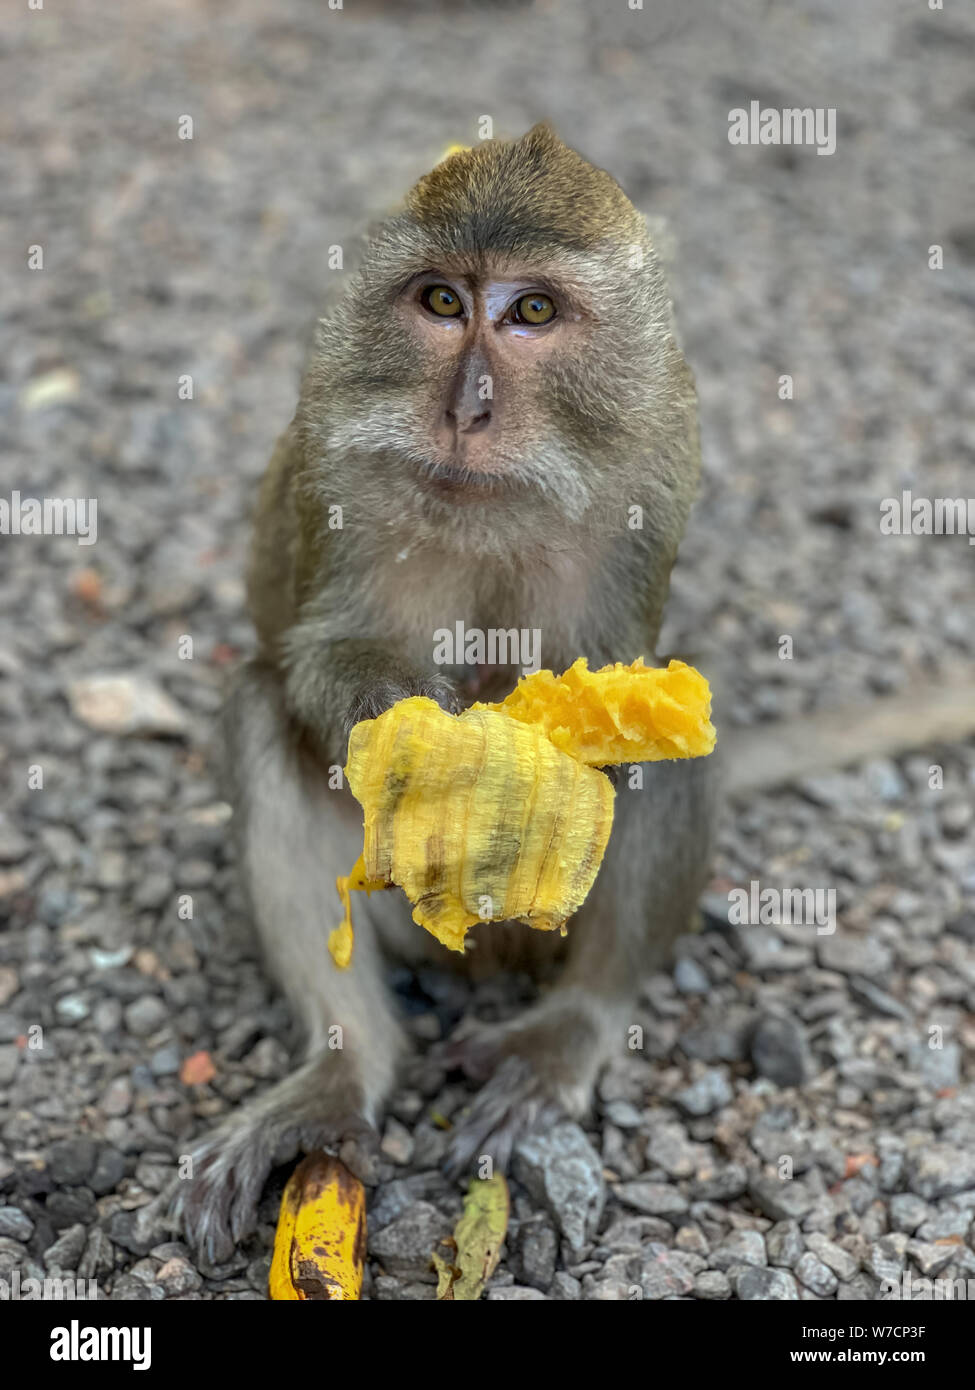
(208, 257)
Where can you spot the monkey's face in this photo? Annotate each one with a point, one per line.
(489, 344)
(506, 343)
(486, 379)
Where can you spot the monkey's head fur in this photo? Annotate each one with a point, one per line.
(503, 366)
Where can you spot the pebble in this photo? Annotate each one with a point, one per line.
(690, 978)
(739, 1248)
(15, 1224)
(125, 704)
(816, 1275)
(71, 1161)
(403, 1247)
(66, 1251)
(782, 1199)
(709, 1092)
(785, 1244)
(765, 1285)
(144, 1015)
(840, 1261)
(940, 1170)
(562, 1171)
(712, 1285)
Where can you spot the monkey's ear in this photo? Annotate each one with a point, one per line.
(543, 136)
(664, 241)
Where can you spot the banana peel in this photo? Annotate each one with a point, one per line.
(477, 1241)
(320, 1242)
(500, 813)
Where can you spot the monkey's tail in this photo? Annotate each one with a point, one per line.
(927, 714)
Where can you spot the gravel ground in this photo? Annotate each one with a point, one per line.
(766, 1046)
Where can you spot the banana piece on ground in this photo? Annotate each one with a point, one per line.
(320, 1243)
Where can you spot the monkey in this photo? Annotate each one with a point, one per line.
(497, 426)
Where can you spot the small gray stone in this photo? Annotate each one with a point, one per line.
(907, 1212)
(739, 1248)
(109, 1170)
(690, 978)
(712, 1285)
(663, 1276)
(815, 1275)
(71, 1161)
(538, 1248)
(784, 1244)
(853, 955)
(117, 1097)
(886, 1256)
(940, 1067)
(877, 999)
(709, 1092)
(65, 1253)
(565, 1288)
(177, 1276)
(623, 1114)
(780, 1052)
(782, 1199)
(562, 1171)
(766, 1285)
(930, 1259)
(15, 1224)
(942, 1225)
(670, 1149)
(144, 1015)
(165, 1060)
(840, 1261)
(405, 1246)
(940, 1170)
(654, 1198)
(721, 1183)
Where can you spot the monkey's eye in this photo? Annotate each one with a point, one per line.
(533, 308)
(441, 300)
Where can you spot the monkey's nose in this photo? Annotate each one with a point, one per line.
(468, 422)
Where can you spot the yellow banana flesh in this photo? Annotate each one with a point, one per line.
(499, 813)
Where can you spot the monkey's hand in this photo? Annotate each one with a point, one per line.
(542, 1066)
(398, 682)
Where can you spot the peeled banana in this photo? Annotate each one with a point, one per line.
(499, 813)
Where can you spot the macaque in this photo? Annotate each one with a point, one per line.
(497, 426)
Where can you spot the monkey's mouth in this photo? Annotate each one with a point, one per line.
(458, 475)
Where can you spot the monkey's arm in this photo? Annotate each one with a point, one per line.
(332, 683)
(298, 592)
(927, 713)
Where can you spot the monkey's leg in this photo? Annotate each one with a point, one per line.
(547, 1061)
(295, 835)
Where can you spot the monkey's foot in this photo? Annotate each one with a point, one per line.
(216, 1204)
(541, 1068)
